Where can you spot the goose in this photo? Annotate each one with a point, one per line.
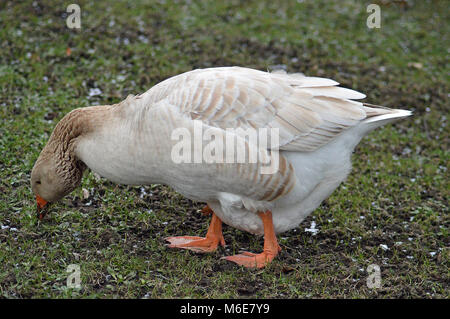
(165, 136)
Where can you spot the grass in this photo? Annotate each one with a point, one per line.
(396, 197)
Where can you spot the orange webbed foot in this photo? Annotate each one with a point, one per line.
(206, 244)
(194, 243)
(251, 260)
(271, 247)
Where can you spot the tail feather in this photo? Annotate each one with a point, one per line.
(378, 116)
(383, 114)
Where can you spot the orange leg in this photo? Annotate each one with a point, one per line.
(207, 210)
(271, 247)
(201, 244)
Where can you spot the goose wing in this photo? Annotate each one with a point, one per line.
(308, 111)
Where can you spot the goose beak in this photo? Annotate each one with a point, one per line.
(40, 206)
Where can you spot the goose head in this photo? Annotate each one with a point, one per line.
(57, 171)
(52, 179)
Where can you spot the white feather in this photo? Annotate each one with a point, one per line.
(319, 128)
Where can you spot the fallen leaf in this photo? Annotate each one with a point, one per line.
(416, 65)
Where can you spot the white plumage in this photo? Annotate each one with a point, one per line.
(319, 126)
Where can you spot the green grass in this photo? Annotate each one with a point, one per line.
(397, 194)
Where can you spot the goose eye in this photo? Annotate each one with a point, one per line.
(38, 182)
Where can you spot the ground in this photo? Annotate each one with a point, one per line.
(392, 211)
